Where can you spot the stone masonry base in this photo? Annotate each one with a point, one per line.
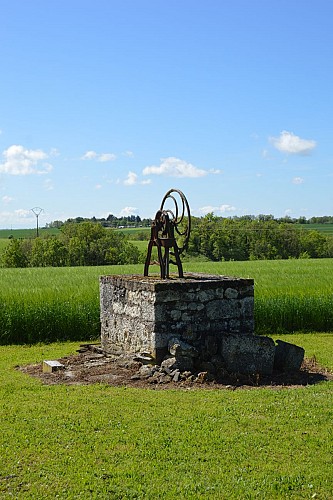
(141, 314)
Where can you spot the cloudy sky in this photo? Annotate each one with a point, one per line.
(107, 104)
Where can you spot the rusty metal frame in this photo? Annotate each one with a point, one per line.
(164, 232)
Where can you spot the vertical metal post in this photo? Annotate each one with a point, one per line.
(37, 211)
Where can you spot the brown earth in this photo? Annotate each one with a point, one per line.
(91, 366)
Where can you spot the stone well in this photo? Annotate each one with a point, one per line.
(141, 314)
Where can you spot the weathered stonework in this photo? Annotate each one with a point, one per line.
(141, 314)
(248, 355)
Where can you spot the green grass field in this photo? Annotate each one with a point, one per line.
(99, 442)
(7, 234)
(27, 233)
(49, 304)
(290, 295)
(327, 229)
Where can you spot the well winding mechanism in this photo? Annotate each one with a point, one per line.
(170, 233)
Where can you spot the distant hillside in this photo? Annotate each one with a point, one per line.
(27, 233)
(326, 228)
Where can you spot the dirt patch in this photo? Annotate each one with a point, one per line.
(91, 366)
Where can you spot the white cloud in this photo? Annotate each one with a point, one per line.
(216, 209)
(48, 185)
(129, 154)
(226, 208)
(287, 142)
(174, 167)
(7, 199)
(89, 155)
(17, 218)
(215, 171)
(207, 209)
(54, 152)
(98, 186)
(131, 179)
(101, 157)
(126, 211)
(23, 213)
(298, 180)
(21, 161)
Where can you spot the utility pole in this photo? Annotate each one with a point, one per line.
(37, 211)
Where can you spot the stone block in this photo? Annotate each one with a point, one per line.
(52, 366)
(179, 348)
(288, 357)
(251, 354)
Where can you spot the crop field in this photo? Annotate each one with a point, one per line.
(327, 229)
(133, 232)
(27, 233)
(290, 295)
(49, 304)
(7, 234)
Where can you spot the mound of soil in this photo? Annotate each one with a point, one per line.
(91, 366)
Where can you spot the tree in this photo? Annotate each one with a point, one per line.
(14, 255)
(314, 244)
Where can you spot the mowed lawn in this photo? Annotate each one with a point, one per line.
(99, 442)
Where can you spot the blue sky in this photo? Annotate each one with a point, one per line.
(107, 104)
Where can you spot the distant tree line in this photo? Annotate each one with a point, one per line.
(89, 243)
(110, 221)
(135, 221)
(251, 238)
(85, 244)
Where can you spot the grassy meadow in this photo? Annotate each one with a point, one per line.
(326, 228)
(27, 233)
(101, 442)
(49, 304)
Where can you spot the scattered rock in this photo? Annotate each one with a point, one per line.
(181, 363)
(202, 377)
(144, 358)
(288, 357)
(207, 366)
(181, 349)
(90, 368)
(145, 371)
(169, 364)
